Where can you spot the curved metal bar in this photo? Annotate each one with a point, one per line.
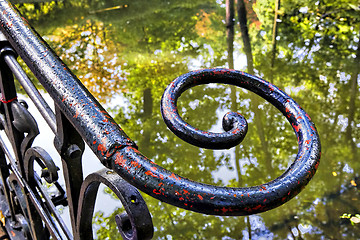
(49, 173)
(112, 146)
(24, 122)
(179, 191)
(234, 124)
(135, 224)
(49, 169)
(93, 123)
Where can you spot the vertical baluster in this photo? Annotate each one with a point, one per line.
(70, 146)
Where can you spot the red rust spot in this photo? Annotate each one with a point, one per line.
(13, 234)
(200, 197)
(224, 210)
(120, 160)
(257, 207)
(219, 72)
(156, 192)
(135, 164)
(102, 148)
(236, 130)
(149, 173)
(185, 191)
(308, 141)
(77, 114)
(317, 165)
(174, 177)
(297, 128)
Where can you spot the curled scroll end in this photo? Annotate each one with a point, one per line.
(179, 191)
(236, 126)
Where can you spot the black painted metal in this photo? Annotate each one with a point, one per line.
(30, 213)
(79, 119)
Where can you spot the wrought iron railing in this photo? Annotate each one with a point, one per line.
(29, 213)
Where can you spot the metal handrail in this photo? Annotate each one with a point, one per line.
(77, 109)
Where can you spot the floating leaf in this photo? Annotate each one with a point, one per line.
(353, 183)
(2, 218)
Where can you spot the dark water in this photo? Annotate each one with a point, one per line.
(126, 53)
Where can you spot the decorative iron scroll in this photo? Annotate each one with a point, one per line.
(79, 119)
(179, 191)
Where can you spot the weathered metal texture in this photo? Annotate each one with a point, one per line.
(90, 119)
(117, 151)
(134, 224)
(179, 191)
(233, 123)
(29, 212)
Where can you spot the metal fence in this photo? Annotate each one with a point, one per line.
(30, 213)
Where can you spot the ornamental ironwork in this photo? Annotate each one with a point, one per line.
(79, 119)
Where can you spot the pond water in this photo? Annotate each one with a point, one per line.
(126, 53)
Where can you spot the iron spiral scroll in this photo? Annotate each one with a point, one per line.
(182, 192)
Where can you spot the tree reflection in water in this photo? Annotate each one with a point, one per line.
(134, 49)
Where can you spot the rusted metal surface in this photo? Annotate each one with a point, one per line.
(79, 119)
(182, 192)
(29, 212)
(236, 201)
(87, 115)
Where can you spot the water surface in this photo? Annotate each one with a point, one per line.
(126, 53)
